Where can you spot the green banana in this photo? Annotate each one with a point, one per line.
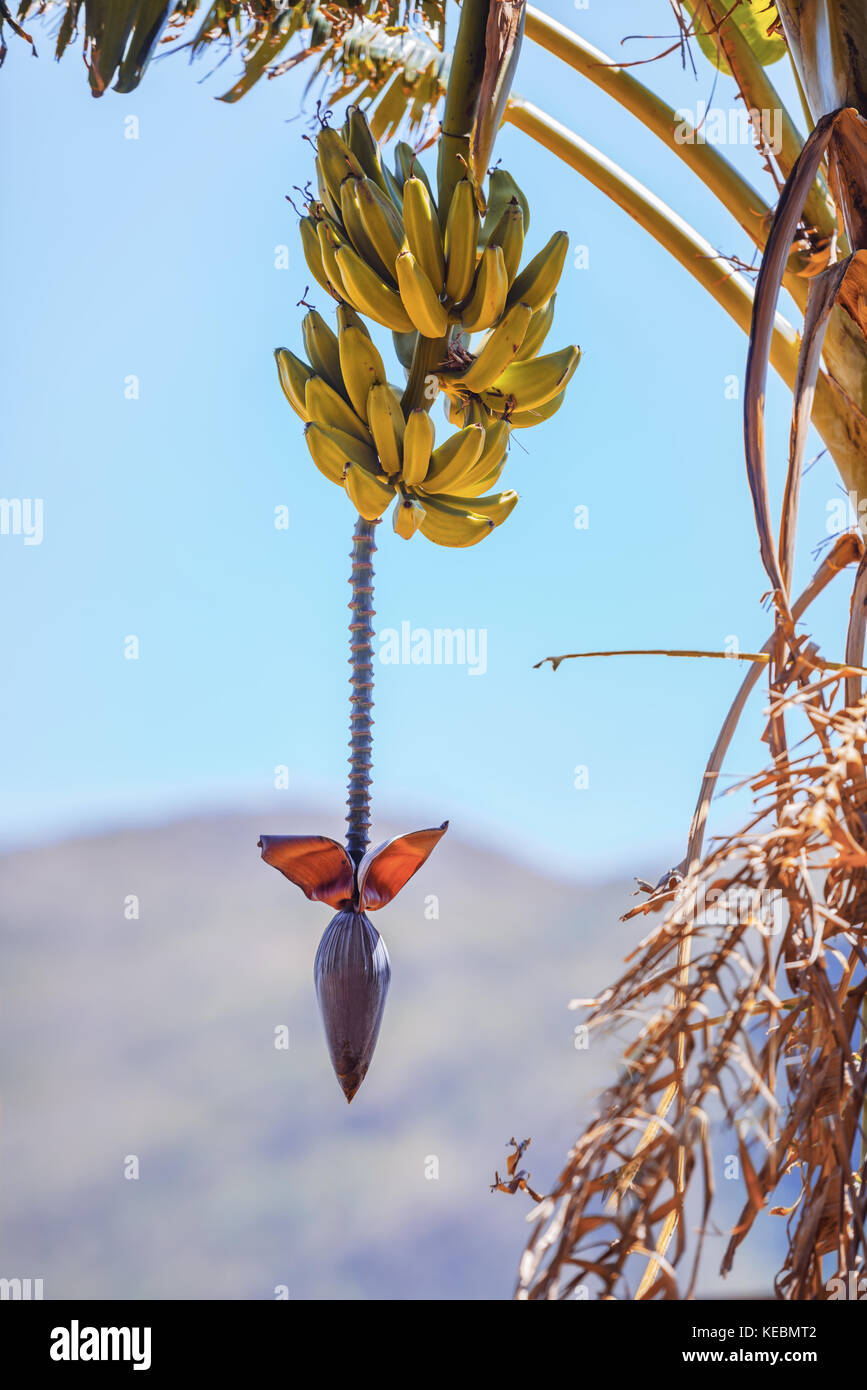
(322, 350)
(370, 495)
(419, 297)
(350, 208)
(536, 334)
(502, 189)
(381, 222)
(509, 236)
(294, 376)
(538, 280)
(332, 450)
(407, 166)
(418, 442)
(359, 137)
(532, 383)
(404, 347)
(407, 517)
(361, 366)
(423, 235)
(325, 407)
(452, 526)
(387, 426)
(453, 460)
(461, 236)
(501, 348)
(488, 299)
(369, 293)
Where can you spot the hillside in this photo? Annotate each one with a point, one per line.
(155, 1038)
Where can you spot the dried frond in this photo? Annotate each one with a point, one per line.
(762, 1042)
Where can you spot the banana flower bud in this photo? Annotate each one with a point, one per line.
(351, 972)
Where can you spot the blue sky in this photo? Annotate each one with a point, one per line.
(155, 258)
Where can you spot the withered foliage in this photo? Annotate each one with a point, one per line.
(761, 1039)
(385, 51)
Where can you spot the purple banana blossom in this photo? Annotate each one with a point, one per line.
(352, 971)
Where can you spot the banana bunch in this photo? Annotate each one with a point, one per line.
(375, 239)
(360, 439)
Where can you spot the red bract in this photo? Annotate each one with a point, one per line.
(352, 971)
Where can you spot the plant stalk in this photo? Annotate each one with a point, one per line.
(429, 352)
(462, 99)
(361, 683)
(839, 421)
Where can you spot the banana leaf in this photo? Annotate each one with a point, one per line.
(754, 19)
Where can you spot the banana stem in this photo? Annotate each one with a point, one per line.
(735, 193)
(760, 94)
(462, 99)
(837, 421)
(361, 683)
(428, 353)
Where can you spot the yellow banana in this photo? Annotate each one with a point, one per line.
(329, 242)
(532, 383)
(418, 441)
(326, 202)
(499, 350)
(381, 222)
(361, 366)
(488, 299)
(452, 526)
(350, 209)
(509, 236)
(369, 293)
(496, 444)
(294, 376)
(387, 426)
(476, 482)
(538, 280)
(453, 460)
(523, 419)
(322, 350)
(407, 517)
(494, 508)
(348, 318)
(313, 255)
(423, 234)
(536, 334)
(333, 450)
(369, 494)
(420, 298)
(325, 407)
(336, 161)
(461, 236)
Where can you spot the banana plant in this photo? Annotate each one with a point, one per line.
(438, 262)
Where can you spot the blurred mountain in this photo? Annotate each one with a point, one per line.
(154, 1037)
